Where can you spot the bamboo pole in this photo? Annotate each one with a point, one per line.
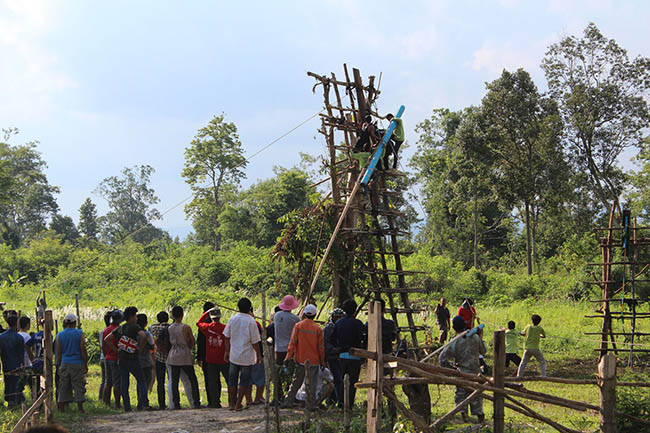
(499, 350)
(48, 367)
(28, 413)
(346, 403)
(417, 420)
(473, 396)
(440, 349)
(375, 369)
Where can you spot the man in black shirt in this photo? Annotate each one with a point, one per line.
(349, 332)
(125, 341)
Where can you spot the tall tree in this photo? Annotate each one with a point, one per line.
(64, 226)
(26, 197)
(215, 155)
(524, 131)
(131, 202)
(88, 219)
(602, 98)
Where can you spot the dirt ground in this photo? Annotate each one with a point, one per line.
(178, 421)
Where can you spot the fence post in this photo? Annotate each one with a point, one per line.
(375, 368)
(346, 403)
(48, 366)
(607, 387)
(498, 373)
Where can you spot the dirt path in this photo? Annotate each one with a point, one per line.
(179, 421)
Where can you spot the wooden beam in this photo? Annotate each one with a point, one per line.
(48, 367)
(499, 357)
(28, 413)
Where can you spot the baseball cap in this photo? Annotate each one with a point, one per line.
(70, 318)
(310, 310)
(215, 312)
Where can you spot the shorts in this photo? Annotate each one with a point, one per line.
(112, 374)
(72, 379)
(239, 375)
(258, 376)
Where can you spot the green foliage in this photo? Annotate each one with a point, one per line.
(216, 156)
(602, 96)
(88, 225)
(130, 200)
(64, 226)
(632, 401)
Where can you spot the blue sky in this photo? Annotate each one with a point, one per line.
(104, 85)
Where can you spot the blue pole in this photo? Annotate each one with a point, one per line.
(380, 148)
(474, 331)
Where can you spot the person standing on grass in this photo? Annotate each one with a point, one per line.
(124, 340)
(349, 332)
(306, 344)
(102, 360)
(146, 356)
(443, 319)
(110, 361)
(531, 347)
(180, 357)
(215, 348)
(465, 352)
(24, 324)
(12, 346)
(283, 323)
(71, 364)
(200, 352)
(332, 355)
(512, 345)
(258, 375)
(242, 352)
(159, 331)
(468, 313)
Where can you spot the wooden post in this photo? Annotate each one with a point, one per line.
(375, 368)
(308, 401)
(76, 303)
(607, 386)
(48, 369)
(498, 377)
(267, 372)
(346, 403)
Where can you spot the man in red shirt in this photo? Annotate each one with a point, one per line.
(215, 347)
(110, 360)
(306, 344)
(468, 313)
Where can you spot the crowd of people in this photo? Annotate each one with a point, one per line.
(164, 354)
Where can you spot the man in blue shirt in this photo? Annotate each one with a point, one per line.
(12, 347)
(71, 363)
(349, 332)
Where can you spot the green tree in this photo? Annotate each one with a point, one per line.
(64, 226)
(27, 198)
(88, 219)
(215, 156)
(602, 96)
(131, 202)
(524, 131)
(640, 194)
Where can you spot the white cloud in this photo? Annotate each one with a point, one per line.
(420, 42)
(30, 76)
(494, 58)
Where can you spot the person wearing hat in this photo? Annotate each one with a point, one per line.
(215, 347)
(71, 364)
(306, 344)
(200, 351)
(332, 355)
(283, 323)
(465, 352)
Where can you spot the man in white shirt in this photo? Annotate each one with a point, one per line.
(242, 352)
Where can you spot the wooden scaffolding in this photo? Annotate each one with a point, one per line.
(369, 223)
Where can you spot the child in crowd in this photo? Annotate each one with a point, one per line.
(531, 348)
(512, 345)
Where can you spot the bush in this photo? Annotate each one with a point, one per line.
(634, 402)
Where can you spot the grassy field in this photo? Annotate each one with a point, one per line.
(568, 351)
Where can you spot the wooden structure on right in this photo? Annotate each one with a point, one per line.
(624, 289)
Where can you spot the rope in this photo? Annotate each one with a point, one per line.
(246, 160)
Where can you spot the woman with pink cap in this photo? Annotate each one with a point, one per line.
(283, 322)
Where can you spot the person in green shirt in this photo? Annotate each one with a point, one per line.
(531, 349)
(512, 345)
(396, 140)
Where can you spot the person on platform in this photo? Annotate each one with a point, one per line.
(215, 349)
(395, 142)
(71, 363)
(465, 352)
